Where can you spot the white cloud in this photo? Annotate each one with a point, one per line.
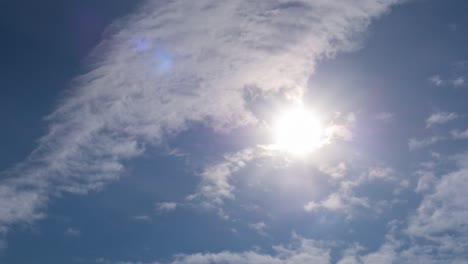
(300, 251)
(72, 232)
(458, 81)
(436, 80)
(440, 118)
(457, 134)
(343, 200)
(170, 64)
(337, 171)
(166, 206)
(215, 186)
(415, 144)
(425, 182)
(381, 172)
(444, 211)
(259, 227)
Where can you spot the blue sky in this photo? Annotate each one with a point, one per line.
(143, 132)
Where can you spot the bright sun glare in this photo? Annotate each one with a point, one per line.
(298, 131)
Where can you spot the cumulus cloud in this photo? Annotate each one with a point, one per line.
(168, 65)
(440, 118)
(441, 216)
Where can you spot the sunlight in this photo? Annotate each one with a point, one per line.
(298, 131)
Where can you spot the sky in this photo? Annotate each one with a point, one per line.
(200, 132)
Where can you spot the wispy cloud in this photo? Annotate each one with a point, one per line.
(166, 206)
(259, 227)
(163, 69)
(457, 134)
(215, 184)
(72, 232)
(436, 80)
(415, 144)
(440, 118)
(142, 218)
(459, 81)
(300, 251)
(337, 171)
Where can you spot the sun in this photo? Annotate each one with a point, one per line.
(298, 131)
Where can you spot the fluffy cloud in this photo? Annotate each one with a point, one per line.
(168, 65)
(436, 232)
(444, 211)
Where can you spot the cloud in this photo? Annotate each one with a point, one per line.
(441, 216)
(381, 173)
(337, 171)
(343, 200)
(215, 186)
(72, 232)
(457, 134)
(143, 217)
(458, 81)
(299, 251)
(385, 116)
(440, 118)
(259, 227)
(436, 80)
(171, 64)
(415, 144)
(426, 181)
(166, 206)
